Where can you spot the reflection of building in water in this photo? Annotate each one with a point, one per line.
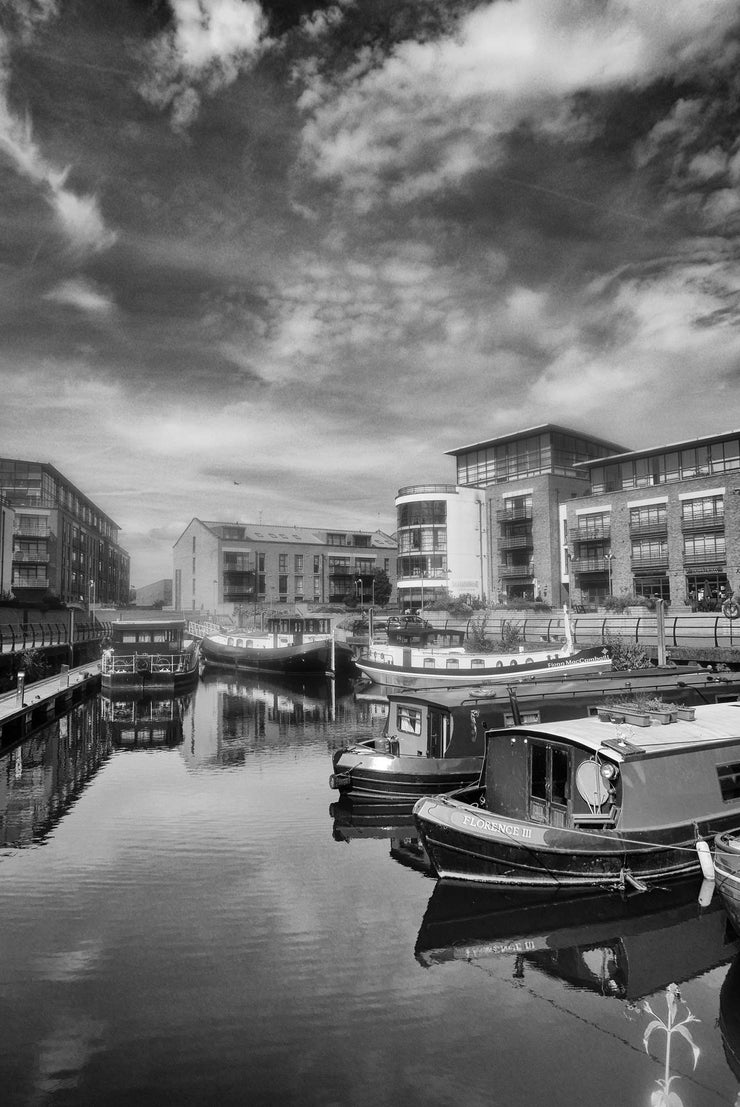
(42, 777)
(133, 720)
(236, 713)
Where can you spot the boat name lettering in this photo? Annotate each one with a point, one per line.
(501, 828)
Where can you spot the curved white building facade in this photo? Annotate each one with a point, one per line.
(442, 542)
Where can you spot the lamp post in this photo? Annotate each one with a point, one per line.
(91, 600)
(610, 559)
(215, 598)
(358, 580)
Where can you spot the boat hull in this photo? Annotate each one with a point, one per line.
(303, 658)
(727, 872)
(466, 843)
(145, 676)
(393, 674)
(368, 775)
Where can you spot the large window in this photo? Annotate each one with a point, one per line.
(704, 509)
(704, 547)
(422, 513)
(667, 468)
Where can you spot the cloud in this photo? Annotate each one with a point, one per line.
(78, 215)
(83, 295)
(431, 113)
(208, 45)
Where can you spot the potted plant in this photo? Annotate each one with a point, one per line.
(630, 711)
(662, 711)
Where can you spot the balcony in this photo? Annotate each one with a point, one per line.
(31, 530)
(518, 542)
(589, 565)
(656, 529)
(513, 514)
(649, 561)
(591, 534)
(713, 521)
(24, 557)
(709, 557)
(516, 571)
(36, 584)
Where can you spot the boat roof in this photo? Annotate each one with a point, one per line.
(450, 696)
(715, 724)
(137, 624)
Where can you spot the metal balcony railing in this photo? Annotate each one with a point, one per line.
(427, 489)
(516, 570)
(714, 520)
(648, 530)
(649, 561)
(709, 557)
(589, 565)
(591, 534)
(519, 542)
(31, 530)
(23, 582)
(513, 514)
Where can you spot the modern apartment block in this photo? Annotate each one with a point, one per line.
(661, 522)
(442, 542)
(219, 566)
(495, 534)
(64, 546)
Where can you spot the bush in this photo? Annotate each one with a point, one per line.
(626, 655)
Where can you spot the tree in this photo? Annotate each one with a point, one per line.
(382, 587)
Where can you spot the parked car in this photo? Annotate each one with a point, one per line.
(408, 622)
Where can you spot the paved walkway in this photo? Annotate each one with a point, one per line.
(47, 689)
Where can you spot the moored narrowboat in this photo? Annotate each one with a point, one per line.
(583, 803)
(433, 740)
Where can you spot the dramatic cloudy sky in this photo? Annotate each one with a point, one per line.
(263, 258)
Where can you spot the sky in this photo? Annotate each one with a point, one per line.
(264, 260)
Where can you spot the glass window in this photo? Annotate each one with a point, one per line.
(408, 720)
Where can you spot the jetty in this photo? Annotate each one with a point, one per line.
(30, 706)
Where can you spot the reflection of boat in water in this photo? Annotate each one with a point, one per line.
(136, 720)
(729, 1016)
(352, 823)
(149, 654)
(294, 646)
(627, 947)
(727, 871)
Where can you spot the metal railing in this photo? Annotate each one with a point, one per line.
(15, 637)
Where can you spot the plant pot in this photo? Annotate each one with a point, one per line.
(664, 717)
(688, 714)
(610, 716)
(637, 718)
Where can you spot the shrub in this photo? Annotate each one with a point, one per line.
(626, 655)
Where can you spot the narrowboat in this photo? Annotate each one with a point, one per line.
(433, 741)
(585, 803)
(291, 645)
(147, 654)
(620, 947)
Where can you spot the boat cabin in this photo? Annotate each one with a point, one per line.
(587, 774)
(296, 624)
(147, 636)
(440, 725)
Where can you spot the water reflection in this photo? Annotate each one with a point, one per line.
(237, 713)
(136, 720)
(42, 777)
(624, 947)
(350, 823)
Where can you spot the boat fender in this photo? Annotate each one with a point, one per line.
(705, 859)
(142, 665)
(340, 780)
(706, 892)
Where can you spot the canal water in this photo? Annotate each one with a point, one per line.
(187, 917)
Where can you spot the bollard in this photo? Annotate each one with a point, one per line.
(20, 686)
(64, 676)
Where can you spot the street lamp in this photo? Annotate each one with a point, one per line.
(91, 600)
(610, 557)
(358, 580)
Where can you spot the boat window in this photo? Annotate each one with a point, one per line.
(230, 642)
(128, 637)
(538, 786)
(429, 663)
(409, 720)
(453, 663)
(559, 787)
(477, 663)
(160, 636)
(729, 780)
